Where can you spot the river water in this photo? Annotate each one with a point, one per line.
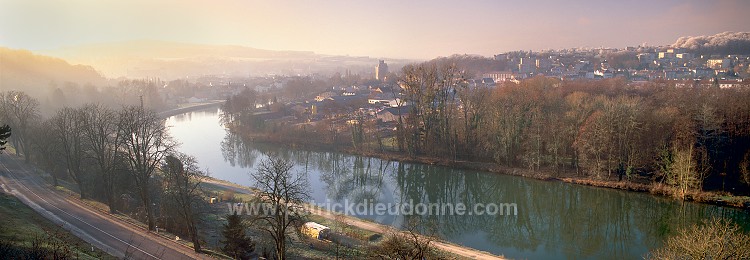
(553, 220)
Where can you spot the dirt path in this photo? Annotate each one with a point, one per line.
(371, 226)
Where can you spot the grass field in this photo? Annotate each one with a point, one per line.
(24, 234)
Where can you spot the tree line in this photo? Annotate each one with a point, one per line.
(690, 137)
(123, 157)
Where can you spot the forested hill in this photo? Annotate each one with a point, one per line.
(43, 76)
(24, 70)
(175, 60)
(721, 44)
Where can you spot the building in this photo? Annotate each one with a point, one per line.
(543, 64)
(392, 114)
(527, 65)
(315, 230)
(499, 76)
(719, 63)
(730, 83)
(488, 82)
(606, 74)
(646, 58)
(325, 95)
(685, 56)
(701, 72)
(381, 70)
(666, 55)
(386, 99)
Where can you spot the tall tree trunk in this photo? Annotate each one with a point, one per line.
(80, 188)
(149, 209)
(194, 236)
(109, 193)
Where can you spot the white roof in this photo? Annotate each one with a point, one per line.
(315, 226)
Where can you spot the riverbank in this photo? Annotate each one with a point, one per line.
(362, 230)
(189, 107)
(635, 185)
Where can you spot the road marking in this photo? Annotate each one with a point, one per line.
(75, 217)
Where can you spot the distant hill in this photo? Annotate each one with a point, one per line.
(723, 43)
(26, 71)
(171, 60)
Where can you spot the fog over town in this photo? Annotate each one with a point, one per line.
(242, 129)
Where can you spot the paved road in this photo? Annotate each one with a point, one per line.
(106, 233)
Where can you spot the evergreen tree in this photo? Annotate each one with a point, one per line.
(4, 135)
(236, 243)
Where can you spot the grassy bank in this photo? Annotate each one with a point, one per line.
(299, 246)
(354, 242)
(24, 234)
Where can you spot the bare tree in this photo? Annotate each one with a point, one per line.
(340, 227)
(19, 110)
(104, 140)
(68, 130)
(47, 150)
(713, 239)
(145, 143)
(282, 191)
(182, 183)
(682, 171)
(407, 244)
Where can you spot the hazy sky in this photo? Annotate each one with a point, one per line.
(381, 28)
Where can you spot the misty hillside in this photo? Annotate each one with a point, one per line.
(171, 60)
(173, 50)
(52, 81)
(722, 43)
(24, 70)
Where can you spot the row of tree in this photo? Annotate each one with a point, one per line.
(109, 153)
(685, 136)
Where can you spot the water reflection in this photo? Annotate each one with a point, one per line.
(554, 219)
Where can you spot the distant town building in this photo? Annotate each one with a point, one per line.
(392, 114)
(730, 83)
(666, 55)
(543, 64)
(325, 95)
(499, 76)
(719, 63)
(701, 72)
(606, 74)
(387, 99)
(527, 65)
(646, 58)
(381, 70)
(685, 56)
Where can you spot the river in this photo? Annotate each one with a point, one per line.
(553, 220)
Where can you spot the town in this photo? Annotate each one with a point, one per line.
(378, 94)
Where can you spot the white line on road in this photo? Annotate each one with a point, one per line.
(75, 217)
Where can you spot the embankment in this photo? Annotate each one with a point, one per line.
(190, 107)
